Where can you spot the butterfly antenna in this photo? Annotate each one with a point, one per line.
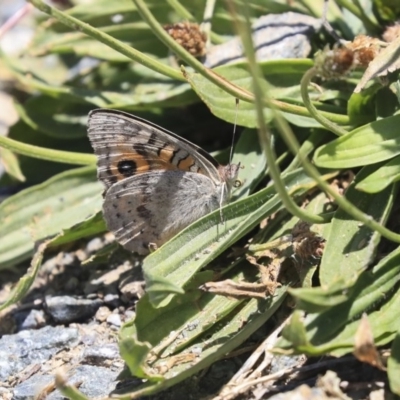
(234, 130)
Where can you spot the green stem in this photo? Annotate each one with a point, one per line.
(344, 204)
(309, 145)
(68, 390)
(42, 153)
(212, 76)
(263, 131)
(305, 82)
(291, 141)
(108, 40)
(341, 201)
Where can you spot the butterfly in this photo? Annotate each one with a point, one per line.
(156, 183)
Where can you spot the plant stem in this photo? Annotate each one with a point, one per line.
(263, 131)
(42, 153)
(108, 40)
(218, 80)
(305, 82)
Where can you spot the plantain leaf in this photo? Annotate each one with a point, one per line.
(205, 327)
(282, 75)
(394, 366)
(366, 293)
(381, 178)
(350, 247)
(248, 152)
(10, 163)
(44, 210)
(368, 144)
(318, 299)
(164, 93)
(59, 119)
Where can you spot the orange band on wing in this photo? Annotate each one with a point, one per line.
(186, 163)
(167, 153)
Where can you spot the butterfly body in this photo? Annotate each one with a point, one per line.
(156, 183)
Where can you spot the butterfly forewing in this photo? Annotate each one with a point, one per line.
(128, 146)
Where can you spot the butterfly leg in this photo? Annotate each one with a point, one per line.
(221, 202)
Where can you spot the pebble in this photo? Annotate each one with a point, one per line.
(30, 319)
(111, 299)
(114, 319)
(102, 313)
(100, 355)
(66, 309)
(94, 245)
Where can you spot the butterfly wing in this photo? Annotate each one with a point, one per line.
(127, 146)
(156, 182)
(148, 209)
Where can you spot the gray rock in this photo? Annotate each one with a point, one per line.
(114, 319)
(275, 36)
(33, 347)
(111, 299)
(96, 381)
(31, 387)
(66, 309)
(99, 355)
(280, 362)
(32, 319)
(93, 381)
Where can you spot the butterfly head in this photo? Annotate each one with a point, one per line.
(229, 174)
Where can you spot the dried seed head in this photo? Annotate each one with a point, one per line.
(189, 36)
(333, 64)
(365, 49)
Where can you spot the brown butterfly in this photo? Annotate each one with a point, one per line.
(157, 183)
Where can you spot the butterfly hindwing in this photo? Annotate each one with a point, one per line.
(151, 208)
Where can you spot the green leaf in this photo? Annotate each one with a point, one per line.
(91, 226)
(350, 247)
(368, 144)
(59, 119)
(161, 288)
(137, 34)
(283, 76)
(162, 93)
(205, 327)
(295, 332)
(10, 163)
(83, 229)
(248, 152)
(361, 106)
(368, 292)
(24, 283)
(318, 299)
(381, 178)
(205, 239)
(134, 354)
(44, 210)
(394, 366)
